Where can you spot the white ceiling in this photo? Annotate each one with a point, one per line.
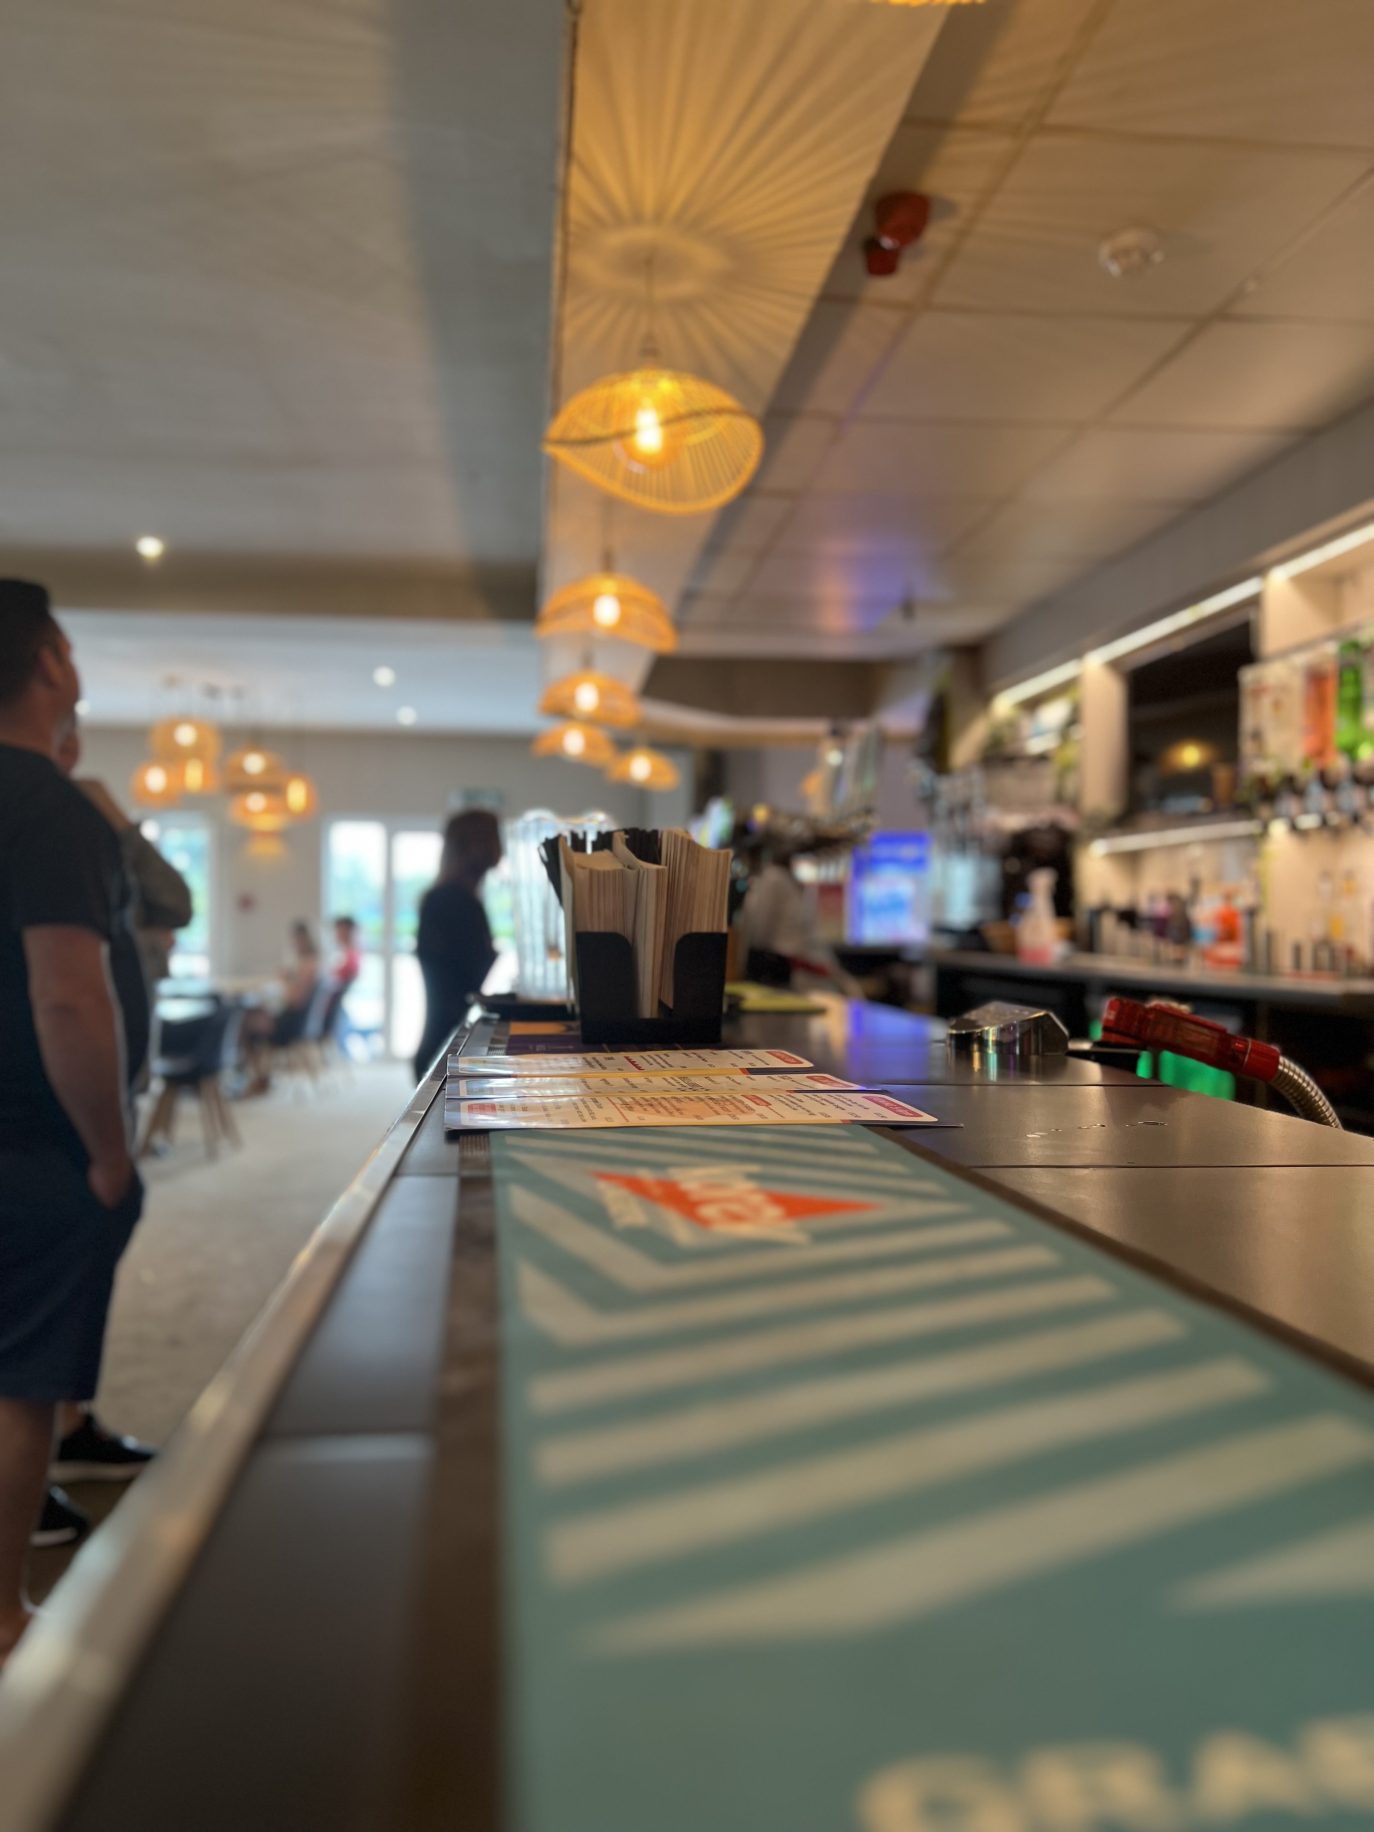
(279, 276)
(301, 673)
(717, 154)
(1001, 415)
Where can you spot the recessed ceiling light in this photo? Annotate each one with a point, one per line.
(149, 547)
(406, 715)
(384, 676)
(83, 707)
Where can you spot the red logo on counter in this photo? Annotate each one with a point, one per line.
(723, 1198)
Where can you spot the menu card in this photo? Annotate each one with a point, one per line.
(574, 1087)
(725, 1105)
(628, 1062)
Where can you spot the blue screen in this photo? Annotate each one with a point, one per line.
(889, 890)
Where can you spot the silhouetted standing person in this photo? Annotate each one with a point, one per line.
(454, 941)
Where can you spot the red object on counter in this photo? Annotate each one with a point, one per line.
(1170, 1027)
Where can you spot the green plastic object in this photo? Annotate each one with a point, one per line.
(1180, 1072)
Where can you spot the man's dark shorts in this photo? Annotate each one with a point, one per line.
(58, 1252)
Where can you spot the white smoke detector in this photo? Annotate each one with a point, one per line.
(1130, 251)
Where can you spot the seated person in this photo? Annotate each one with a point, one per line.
(348, 962)
(275, 1030)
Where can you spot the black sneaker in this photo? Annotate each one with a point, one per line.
(92, 1454)
(62, 1523)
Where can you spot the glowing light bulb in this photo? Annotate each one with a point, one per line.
(256, 802)
(185, 734)
(384, 676)
(606, 610)
(150, 547)
(640, 767)
(156, 779)
(574, 743)
(254, 763)
(406, 715)
(195, 775)
(648, 433)
(586, 696)
(297, 795)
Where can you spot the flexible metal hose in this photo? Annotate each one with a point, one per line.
(1303, 1095)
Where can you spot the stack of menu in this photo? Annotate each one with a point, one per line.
(659, 1088)
(651, 902)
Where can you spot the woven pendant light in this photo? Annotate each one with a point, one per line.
(156, 784)
(590, 695)
(175, 740)
(645, 769)
(609, 603)
(660, 439)
(576, 743)
(301, 796)
(260, 810)
(253, 767)
(199, 777)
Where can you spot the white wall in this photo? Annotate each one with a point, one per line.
(403, 777)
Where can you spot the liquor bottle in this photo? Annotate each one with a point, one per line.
(1350, 730)
(1319, 710)
(1283, 710)
(1255, 764)
(1364, 754)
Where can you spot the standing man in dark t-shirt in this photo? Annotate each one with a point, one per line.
(69, 1193)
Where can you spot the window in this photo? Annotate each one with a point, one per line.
(186, 841)
(355, 885)
(377, 872)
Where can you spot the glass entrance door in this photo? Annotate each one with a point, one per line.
(377, 871)
(414, 867)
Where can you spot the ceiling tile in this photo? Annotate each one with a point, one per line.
(874, 457)
(1086, 531)
(885, 574)
(840, 349)
(793, 450)
(1295, 71)
(836, 611)
(1331, 273)
(845, 522)
(993, 63)
(751, 523)
(1006, 366)
(1222, 212)
(1007, 578)
(1133, 464)
(723, 573)
(955, 168)
(1260, 375)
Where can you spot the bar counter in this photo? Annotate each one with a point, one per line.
(297, 1618)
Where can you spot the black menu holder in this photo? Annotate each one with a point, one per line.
(608, 999)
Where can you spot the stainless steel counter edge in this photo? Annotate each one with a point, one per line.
(60, 1689)
(1355, 996)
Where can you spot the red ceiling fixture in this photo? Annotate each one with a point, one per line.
(898, 220)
